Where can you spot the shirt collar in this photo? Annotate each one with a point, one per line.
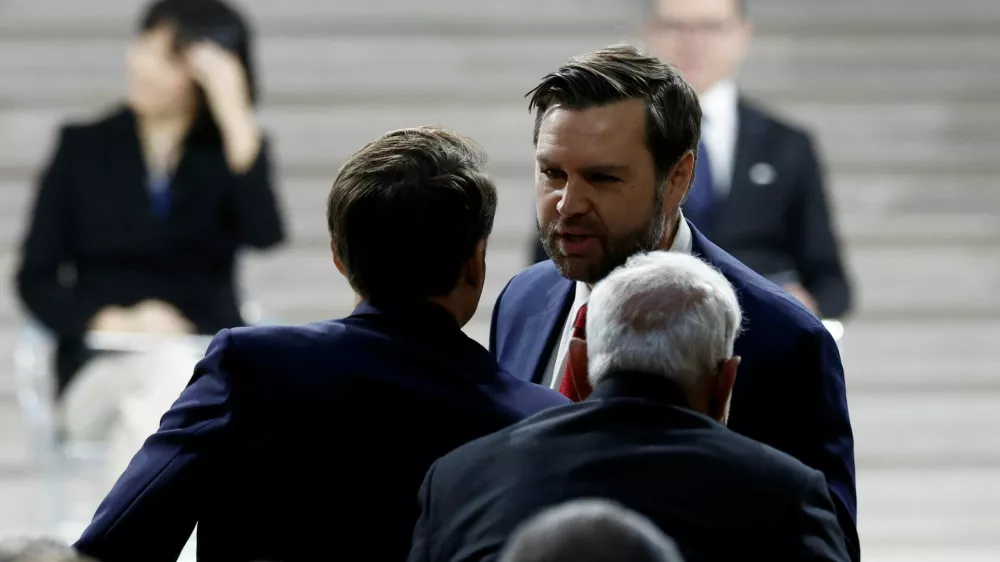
(682, 238)
(718, 103)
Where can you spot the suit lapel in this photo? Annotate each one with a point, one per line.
(750, 129)
(127, 174)
(542, 329)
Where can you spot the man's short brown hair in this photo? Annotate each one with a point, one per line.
(407, 210)
(619, 73)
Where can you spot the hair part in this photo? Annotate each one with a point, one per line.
(618, 73)
(408, 210)
(588, 530)
(662, 313)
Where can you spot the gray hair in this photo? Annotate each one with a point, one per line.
(663, 313)
(589, 530)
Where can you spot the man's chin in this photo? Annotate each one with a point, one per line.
(578, 268)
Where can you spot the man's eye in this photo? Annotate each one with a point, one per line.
(551, 174)
(603, 178)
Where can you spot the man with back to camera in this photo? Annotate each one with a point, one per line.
(758, 192)
(616, 136)
(291, 439)
(660, 355)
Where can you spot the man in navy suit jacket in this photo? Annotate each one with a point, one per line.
(292, 441)
(616, 136)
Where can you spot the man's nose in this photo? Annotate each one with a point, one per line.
(574, 200)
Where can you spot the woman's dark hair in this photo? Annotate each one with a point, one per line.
(199, 20)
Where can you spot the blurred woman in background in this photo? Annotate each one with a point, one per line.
(140, 215)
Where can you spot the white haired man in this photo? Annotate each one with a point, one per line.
(651, 436)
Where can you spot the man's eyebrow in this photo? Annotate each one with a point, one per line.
(608, 168)
(605, 169)
(545, 161)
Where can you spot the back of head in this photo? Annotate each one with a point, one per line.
(407, 211)
(589, 530)
(662, 313)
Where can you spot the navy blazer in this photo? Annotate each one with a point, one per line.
(789, 393)
(293, 443)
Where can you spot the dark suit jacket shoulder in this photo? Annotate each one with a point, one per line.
(291, 439)
(694, 478)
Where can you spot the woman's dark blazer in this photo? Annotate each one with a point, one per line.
(94, 241)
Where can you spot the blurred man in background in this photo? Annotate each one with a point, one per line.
(758, 189)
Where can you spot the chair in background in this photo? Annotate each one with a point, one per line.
(70, 470)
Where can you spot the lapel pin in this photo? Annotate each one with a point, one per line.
(763, 173)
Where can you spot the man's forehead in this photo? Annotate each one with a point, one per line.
(599, 129)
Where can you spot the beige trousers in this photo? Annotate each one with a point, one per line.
(118, 399)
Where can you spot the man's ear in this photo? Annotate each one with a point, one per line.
(577, 357)
(679, 181)
(723, 391)
(336, 260)
(475, 267)
(343, 271)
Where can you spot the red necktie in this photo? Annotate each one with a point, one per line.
(575, 386)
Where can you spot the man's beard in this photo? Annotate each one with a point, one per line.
(616, 251)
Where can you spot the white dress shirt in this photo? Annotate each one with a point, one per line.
(557, 360)
(720, 108)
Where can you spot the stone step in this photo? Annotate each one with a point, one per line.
(871, 209)
(889, 358)
(896, 357)
(945, 429)
(872, 136)
(950, 512)
(355, 16)
(350, 70)
(894, 511)
(300, 283)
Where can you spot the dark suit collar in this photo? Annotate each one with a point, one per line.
(626, 384)
(702, 247)
(548, 324)
(428, 315)
(541, 330)
(750, 127)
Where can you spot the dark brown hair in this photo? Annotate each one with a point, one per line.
(407, 210)
(619, 73)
